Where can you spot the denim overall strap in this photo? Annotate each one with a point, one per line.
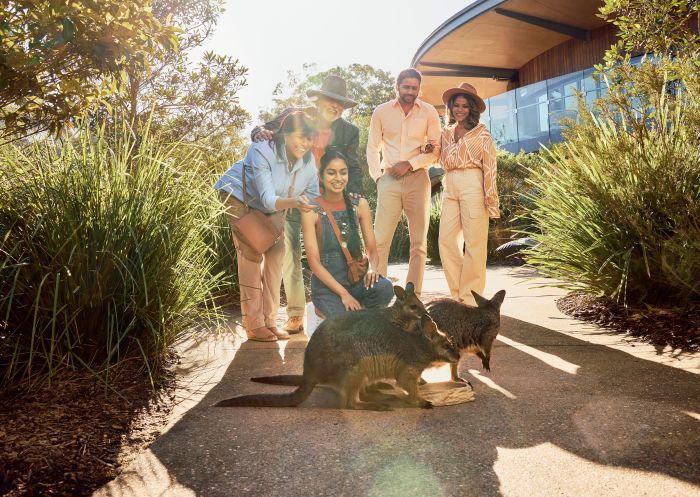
(336, 230)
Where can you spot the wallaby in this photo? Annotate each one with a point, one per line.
(471, 329)
(355, 349)
(406, 313)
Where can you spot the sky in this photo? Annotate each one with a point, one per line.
(271, 37)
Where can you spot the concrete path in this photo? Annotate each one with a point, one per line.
(567, 410)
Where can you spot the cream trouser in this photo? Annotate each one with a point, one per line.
(410, 194)
(259, 275)
(464, 222)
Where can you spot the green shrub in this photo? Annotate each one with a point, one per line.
(434, 230)
(103, 254)
(514, 193)
(619, 209)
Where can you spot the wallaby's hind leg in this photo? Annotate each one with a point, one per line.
(377, 392)
(408, 380)
(454, 368)
(353, 385)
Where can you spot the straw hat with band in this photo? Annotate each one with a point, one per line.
(464, 88)
(334, 87)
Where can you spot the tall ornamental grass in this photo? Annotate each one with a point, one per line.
(619, 209)
(102, 253)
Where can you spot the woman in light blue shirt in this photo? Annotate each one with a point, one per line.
(280, 174)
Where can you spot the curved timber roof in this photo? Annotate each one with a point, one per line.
(488, 41)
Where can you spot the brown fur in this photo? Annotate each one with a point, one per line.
(352, 350)
(471, 329)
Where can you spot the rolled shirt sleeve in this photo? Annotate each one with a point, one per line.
(433, 135)
(489, 168)
(262, 176)
(374, 143)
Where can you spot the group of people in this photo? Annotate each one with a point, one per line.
(304, 166)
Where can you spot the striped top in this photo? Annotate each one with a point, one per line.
(474, 149)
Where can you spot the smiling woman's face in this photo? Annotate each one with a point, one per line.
(460, 109)
(335, 176)
(297, 144)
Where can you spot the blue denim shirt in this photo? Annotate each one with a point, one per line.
(268, 177)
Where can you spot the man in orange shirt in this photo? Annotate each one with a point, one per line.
(406, 131)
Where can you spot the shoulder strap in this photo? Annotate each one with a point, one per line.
(245, 191)
(336, 230)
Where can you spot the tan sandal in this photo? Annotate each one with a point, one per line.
(294, 325)
(280, 334)
(262, 334)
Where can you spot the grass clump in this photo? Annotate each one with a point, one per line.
(103, 255)
(619, 209)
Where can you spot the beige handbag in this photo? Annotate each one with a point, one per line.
(258, 230)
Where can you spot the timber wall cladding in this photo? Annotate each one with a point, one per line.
(570, 56)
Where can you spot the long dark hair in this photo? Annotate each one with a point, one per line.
(292, 122)
(354, 240)
(473, 118)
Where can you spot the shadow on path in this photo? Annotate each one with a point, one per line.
(556, 416)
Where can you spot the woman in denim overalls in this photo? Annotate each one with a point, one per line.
(331, 293)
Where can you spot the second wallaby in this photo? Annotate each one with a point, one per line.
(471, 329)
(352, 350)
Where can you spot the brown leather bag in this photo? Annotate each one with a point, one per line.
(258, 230)
(357, 268)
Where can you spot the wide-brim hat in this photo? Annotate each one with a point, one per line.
(334, 87)
(467, 89)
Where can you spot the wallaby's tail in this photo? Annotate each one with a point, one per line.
(292, 380)
(270, 400)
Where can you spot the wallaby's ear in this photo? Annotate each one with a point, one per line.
(497, 299)
(480, 301)
(427, 324)
(410, 288)
(399, 292)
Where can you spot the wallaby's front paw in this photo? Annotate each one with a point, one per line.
(426, 404)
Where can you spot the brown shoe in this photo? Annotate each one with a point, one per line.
(281, 335)
(294, 325)
(262, 334)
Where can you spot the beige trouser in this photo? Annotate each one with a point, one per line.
(464, 221)
(410, 194)
(259, 275)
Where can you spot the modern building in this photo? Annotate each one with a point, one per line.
(526, 58)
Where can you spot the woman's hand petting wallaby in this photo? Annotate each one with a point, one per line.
(371, 278)
(350, 302)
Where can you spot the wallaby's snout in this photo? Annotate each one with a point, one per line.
(443, 346)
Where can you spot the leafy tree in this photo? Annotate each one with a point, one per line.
(61, 59)
(195, 104)
(366, 85)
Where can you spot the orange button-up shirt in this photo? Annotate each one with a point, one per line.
(399, 137)
(474, 150)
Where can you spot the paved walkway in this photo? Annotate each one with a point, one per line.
(567, 410)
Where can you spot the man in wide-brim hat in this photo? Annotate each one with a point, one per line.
(332, 131)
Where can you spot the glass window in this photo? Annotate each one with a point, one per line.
(533, 126)
(504, 128)
(590, 80)
(564, 86)
(501, 103)
(531, 94)
(558, 110)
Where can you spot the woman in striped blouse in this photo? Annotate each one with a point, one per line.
(469, 197)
